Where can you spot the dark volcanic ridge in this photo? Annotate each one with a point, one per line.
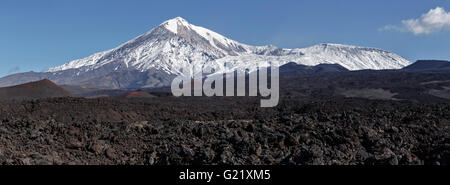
(34, 90)
(139, 94)
(429, 66)
(422, 81)
(298, 69)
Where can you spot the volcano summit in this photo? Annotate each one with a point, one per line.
(155, 58)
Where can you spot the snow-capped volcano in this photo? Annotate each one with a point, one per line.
(173, 45)
(155, 57)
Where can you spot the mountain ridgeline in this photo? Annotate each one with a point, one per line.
(420, 81)
(156, 57)
(429, 66)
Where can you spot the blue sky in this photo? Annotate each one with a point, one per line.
(36, 35)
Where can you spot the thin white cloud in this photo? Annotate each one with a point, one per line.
(435, 20)
(392, 27)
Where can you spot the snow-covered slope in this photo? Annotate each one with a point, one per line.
(176, 44)
(173, 45)
(352, 57)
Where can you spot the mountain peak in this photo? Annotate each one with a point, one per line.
(34, 90)
(45, 80)
(176, 45)
(181, 27)
(172, 24)
(177, 19)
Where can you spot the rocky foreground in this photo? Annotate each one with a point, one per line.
(169, 131)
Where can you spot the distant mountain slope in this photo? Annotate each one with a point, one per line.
(429, 65)
(140, 94)
(156, 57)
(34, 90)
(296, 69)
